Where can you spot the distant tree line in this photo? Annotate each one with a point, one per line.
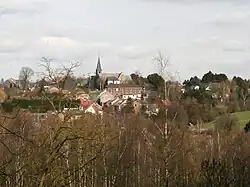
(203, 99)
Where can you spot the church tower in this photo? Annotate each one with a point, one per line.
(98, 67)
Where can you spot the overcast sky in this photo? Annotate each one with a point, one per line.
(199, 35)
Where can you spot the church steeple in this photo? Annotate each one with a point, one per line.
(98, 67)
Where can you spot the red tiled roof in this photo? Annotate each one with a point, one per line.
(85, 103)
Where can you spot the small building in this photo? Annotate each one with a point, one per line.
(125, 91)
(90, 107)
(94, 108)
(105, 97)
(124, 79)
(53, 90)
(10, 83)
(118, 104)
(112, 80)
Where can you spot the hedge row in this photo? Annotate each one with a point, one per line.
(45, 105)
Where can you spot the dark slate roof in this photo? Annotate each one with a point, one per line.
(112, 78)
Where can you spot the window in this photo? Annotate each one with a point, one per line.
(117, 89)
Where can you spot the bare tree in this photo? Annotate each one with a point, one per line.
(57, 74)
(67, 71)
(162, 64)
(138, 73)
(49, 73)
(25, 74)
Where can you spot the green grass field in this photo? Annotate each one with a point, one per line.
(243, 117)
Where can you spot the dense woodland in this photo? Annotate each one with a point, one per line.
(119, 150)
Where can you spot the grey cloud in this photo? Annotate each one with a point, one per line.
(235, 46)
(16, 11)
(230, 23)
(66, 48)
(4, 50)
(201, 1)
(11, 49)
(62, 21)
(237, 18)
(232, 49)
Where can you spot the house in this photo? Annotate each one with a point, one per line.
(90, 107)
(105, 97)
(53, 90)
(124, 79)
(112, 80)
(117, 103)
(94, 108)
(154, 108)
(125, 91)
(10, 83)
(12, 87)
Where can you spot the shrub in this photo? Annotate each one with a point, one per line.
(247, 127)
(226, 122)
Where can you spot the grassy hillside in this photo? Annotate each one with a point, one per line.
(243, 117)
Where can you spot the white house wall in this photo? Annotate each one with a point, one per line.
(132, 96)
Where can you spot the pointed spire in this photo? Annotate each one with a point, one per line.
(98, 67)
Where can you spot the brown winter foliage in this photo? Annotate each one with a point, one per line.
(120, 150)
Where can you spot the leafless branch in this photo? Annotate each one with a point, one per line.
(24, 76)
(162, 63)
(49, 73)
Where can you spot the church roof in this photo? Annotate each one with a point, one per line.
(106, 75)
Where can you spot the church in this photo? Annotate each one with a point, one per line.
(102, 79)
